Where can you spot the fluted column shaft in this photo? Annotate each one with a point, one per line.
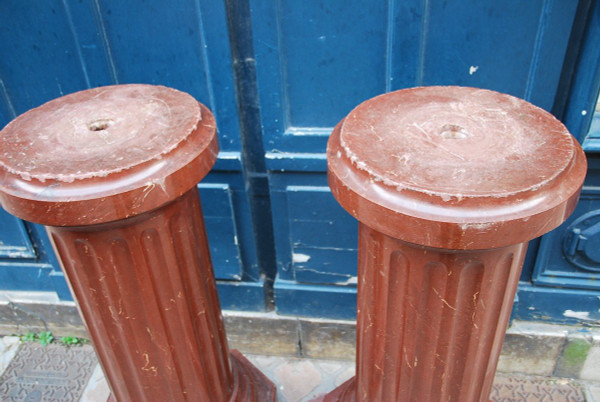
(448, 184)
(431, 321)
(112, 173)
(147, 294)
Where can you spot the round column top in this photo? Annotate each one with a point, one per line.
(104, 154)
(455, 167)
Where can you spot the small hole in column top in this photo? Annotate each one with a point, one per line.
(100, 124)
(453, 132)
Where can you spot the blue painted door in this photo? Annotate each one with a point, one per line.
(279, 74)
(316, 60)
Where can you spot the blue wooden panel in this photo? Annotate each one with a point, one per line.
(182, 44)
(237, 295)
(234, 247)
(337, 302)
(564, 306)
(14, 239)
(316, 247)
(331, 55)
(68, 46)
(6, 111)
(312, 231)
(317, 60)
(26, 276)
(242, 234)
(323, 237)
(220, 228)
(30, 273)
(593, 134)
(40, 60)
(513, 47)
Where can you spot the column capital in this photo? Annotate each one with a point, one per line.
(455, 167)
(104, 154)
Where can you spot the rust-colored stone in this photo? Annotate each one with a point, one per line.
(449, 184)
(112, 172)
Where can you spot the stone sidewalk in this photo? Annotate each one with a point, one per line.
(32, 372)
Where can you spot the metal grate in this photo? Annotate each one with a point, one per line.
(50, 373)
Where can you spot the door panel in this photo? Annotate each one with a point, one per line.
(318, 60)
(23, 266)
(14, 239)
(217, 207)
(77, 45)
(40, 56)
(324, 249)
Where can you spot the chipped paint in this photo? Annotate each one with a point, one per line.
(300, 258)
(581, 315)
(352, 280)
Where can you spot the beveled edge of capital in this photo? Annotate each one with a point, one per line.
(119, 195)
(473, 223)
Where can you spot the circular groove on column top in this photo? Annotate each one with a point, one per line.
(452, 157)
(456, 142)
(97, 132)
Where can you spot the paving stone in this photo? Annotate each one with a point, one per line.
(592, 393)
(333, 340)
(9, 345)
(297, 381)
(97, 389)
(529, 354)
(591, 367)
(344, 376)
(265, 363)
(47, 373)
(331, 367)
(534, 389)
(330, 371)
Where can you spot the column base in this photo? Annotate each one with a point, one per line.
(345, 392)
(249, 383)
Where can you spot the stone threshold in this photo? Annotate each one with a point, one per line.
(530, 348)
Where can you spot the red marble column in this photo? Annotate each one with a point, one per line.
(112, 172)
(449, 184)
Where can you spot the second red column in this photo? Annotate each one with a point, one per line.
(449, 184)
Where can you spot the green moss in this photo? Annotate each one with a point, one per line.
(576, 352)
